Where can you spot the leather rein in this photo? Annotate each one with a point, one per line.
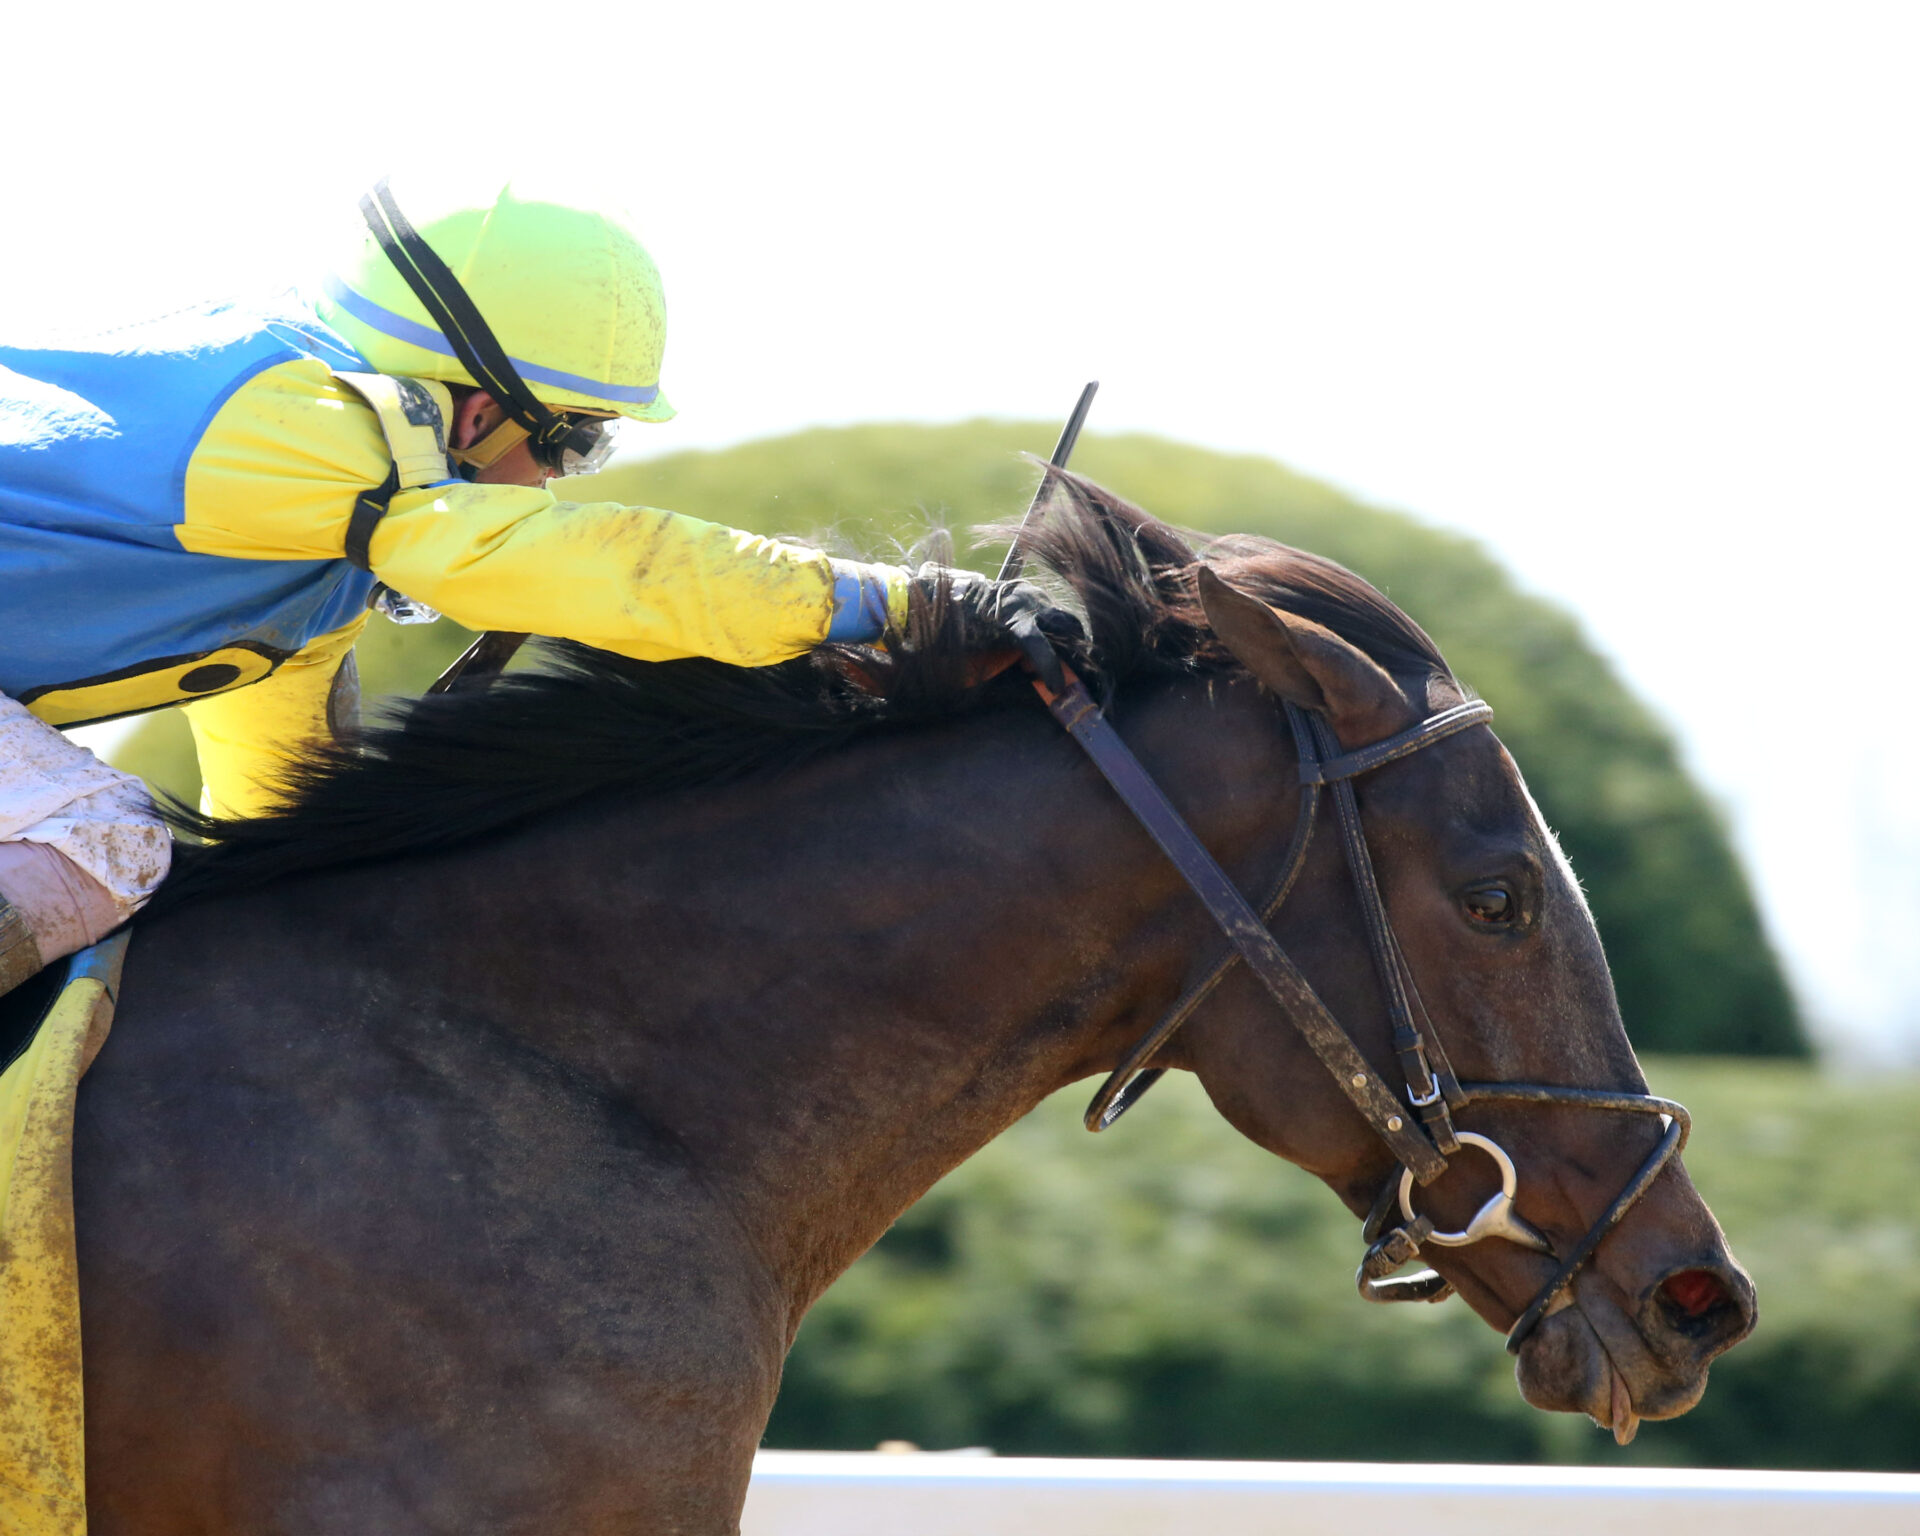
(1416, 1122)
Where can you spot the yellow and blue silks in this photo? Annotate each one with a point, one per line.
(43, 1489)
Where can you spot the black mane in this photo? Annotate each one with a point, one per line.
(442, 769)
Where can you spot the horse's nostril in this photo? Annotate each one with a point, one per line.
(1707, 1307)
(1695, 1292)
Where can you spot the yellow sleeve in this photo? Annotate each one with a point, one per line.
(642, 582)
(248, 737)
(276, 472)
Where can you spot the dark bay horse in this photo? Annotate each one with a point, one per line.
(475, 1134)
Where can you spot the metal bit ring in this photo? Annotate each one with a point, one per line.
(1497, 1218)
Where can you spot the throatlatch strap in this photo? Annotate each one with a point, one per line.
(1299, 1003)
(1133, 1077)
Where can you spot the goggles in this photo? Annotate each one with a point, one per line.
(581, 448)
(584, 449)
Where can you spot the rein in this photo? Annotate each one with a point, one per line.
(1419, 1132)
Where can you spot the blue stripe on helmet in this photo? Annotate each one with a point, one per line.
(400, 328)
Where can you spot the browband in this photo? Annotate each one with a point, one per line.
(1348, 765)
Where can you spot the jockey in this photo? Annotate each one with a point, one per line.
(202, 510)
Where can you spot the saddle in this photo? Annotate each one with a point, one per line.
(51, 1027)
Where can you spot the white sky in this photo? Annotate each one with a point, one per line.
(1628, 290)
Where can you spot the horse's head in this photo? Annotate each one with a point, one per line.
(1506, 967)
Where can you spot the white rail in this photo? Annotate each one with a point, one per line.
(825, 1493)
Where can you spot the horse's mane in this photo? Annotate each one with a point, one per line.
(441, 769)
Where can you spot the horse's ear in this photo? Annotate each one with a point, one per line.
(1305, 663)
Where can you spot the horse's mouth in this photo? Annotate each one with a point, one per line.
(1593, 1356)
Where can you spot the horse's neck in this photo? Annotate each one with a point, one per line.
(849, 980)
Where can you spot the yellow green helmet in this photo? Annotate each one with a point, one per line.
(559, 294)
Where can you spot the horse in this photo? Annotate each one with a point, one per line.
(478, 1128)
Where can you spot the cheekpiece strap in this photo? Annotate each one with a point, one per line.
(1424, 1091)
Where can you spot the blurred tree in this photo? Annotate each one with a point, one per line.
(1694, 968)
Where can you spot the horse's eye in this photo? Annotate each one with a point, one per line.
(1489, 904)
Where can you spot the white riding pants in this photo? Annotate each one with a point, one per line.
(81, 847)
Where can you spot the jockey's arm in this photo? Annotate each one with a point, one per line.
(275, 477)
(636, 580)
(276, 474)
(645, 583)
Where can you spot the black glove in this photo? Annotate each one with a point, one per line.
(993, 614)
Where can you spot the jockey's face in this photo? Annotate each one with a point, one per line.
(473, 418)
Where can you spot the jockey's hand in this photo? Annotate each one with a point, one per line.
(995, 614)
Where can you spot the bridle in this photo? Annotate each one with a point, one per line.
(1419, 1132)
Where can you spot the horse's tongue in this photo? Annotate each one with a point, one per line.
(1626, 1423)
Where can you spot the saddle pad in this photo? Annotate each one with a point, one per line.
(42, 1451)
